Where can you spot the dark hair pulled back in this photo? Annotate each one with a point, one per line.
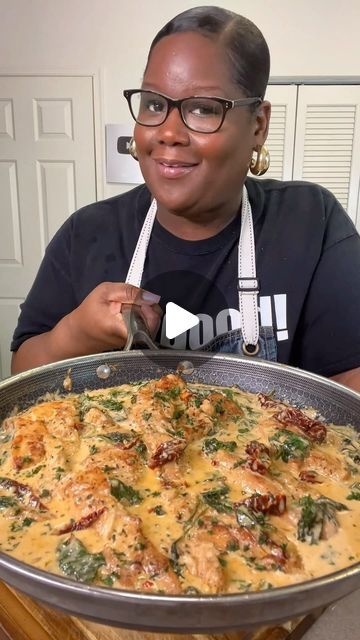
(243, 42)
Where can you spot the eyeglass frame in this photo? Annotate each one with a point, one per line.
(225, 103)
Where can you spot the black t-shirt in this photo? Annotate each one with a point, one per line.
(307, 257)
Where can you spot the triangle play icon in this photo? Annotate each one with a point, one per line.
(178, 320)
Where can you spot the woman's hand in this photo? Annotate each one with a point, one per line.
(96, 325)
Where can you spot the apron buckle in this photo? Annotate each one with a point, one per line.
(247, 284)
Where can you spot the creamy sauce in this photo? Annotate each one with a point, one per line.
(176, 488)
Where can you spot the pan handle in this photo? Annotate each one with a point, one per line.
(137, 330)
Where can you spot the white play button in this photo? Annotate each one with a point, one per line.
(178, 320)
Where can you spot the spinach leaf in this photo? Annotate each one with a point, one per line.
(247, 518)
(5, 436)
(355, 492)
(216, 499)
(175, 558)
(86, 402)
(117, 437)
(111, 403)
(7, 501)
(317, 516)
(122, 491)
(76, 562)
(354, 495)
(195, 518)
(141, 449)
(352, 449)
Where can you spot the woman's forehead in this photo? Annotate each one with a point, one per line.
(188, 62)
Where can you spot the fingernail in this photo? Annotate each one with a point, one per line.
(147, 296)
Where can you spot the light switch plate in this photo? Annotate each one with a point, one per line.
(120, 165)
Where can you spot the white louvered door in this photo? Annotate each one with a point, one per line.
(47, 170)
(327, 143)
(280, 140)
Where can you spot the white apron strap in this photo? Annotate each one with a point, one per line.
(136, 268)
(248, 285)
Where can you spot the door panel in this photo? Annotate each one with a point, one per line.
(47, 170)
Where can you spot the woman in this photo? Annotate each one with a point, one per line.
(298, 302)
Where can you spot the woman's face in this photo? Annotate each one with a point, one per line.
(211, 167)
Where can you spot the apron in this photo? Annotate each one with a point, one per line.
(250, 340)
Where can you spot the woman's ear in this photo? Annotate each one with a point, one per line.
(262, 119)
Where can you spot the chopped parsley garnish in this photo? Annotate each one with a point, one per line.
(289, 445)
(141, 449)
(168, 395)
(211, 445)
(159, 510)
(35, 471)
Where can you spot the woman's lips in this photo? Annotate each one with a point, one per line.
(174, 169)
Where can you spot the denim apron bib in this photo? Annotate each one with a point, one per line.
(250, 340)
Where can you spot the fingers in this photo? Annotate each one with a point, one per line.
(152, 317)
(127, 293)
(103, 305)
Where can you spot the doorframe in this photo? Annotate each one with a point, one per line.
(97, 78)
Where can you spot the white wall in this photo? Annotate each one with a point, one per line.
(111, 38)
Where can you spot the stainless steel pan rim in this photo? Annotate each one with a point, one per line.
(184, 613)
(191, 614)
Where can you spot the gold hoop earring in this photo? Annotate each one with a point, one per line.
(132, 149)
(260, 164)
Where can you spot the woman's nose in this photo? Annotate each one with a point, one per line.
(173, 130)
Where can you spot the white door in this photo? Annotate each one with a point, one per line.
(327, 143)
(47, 170)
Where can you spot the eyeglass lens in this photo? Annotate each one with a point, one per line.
(200, 114)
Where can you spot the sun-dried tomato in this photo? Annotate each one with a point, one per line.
(256, 449)
(254, 464)
(309, 476)
(267, 503)
(267, 401)
(83, 523)
(22, 491)
(166, 452)
(314, 429)
(259, 457)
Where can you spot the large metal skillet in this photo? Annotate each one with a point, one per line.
(182, 613)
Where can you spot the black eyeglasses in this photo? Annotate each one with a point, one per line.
(199, 113)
